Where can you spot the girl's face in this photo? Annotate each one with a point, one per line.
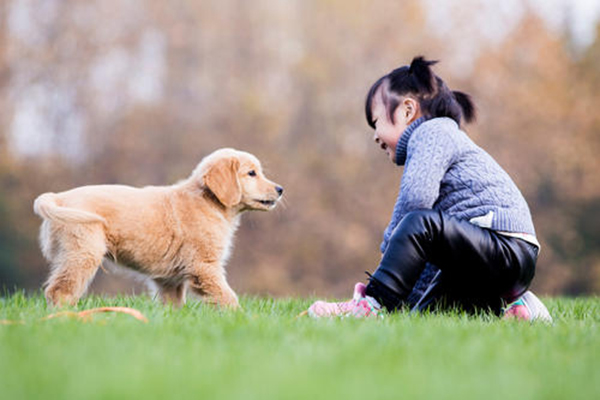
(387, 133)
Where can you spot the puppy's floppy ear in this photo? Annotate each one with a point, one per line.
(222, 179)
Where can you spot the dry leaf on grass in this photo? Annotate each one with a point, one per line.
(11, 322)
(85, 315)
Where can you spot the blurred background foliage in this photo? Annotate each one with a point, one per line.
(137, 92)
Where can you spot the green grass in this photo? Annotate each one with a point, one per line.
(265, 353)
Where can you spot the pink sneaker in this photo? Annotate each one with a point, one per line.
(360, 306)
(528, 308)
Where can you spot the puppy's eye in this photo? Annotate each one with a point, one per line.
(252, 173)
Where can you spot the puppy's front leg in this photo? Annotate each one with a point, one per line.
(210, 283)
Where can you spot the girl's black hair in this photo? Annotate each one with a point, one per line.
(418, 80)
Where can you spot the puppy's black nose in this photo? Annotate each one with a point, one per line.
(279, 190)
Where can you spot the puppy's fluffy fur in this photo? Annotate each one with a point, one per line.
(179, 235)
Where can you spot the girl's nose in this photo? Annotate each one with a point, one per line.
(376, 138)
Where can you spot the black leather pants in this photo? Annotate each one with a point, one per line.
(478, 268)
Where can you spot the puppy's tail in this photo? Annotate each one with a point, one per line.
(46, 207)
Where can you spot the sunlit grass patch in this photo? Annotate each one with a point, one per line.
(265, 351)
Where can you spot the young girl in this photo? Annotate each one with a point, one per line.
(461, 233)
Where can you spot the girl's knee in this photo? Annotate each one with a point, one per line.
(420, 221)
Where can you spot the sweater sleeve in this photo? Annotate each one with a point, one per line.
(430, 154)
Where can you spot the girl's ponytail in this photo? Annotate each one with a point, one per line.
(424, 78)
(467, 105)
(418, 79)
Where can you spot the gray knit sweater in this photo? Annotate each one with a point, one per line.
(444, 170)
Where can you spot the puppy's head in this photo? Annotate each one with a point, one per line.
(236, 179)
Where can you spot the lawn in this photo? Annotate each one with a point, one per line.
(264, 352)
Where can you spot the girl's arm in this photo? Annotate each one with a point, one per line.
(430, 154)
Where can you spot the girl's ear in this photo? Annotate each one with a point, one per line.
(409, 110)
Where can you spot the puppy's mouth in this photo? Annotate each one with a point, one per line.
(268, 204)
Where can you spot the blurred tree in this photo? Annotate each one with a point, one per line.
(138, 92)
(536, 119)
(9, 243)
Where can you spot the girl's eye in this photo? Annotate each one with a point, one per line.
(252, 173)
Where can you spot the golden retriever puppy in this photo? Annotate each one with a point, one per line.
(180, 235)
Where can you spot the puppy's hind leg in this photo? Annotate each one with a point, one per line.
(82, 248)
(171, 292)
